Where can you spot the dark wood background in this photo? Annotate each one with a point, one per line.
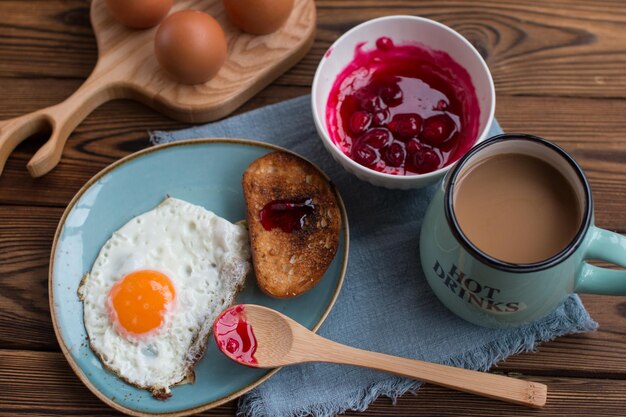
(560, 72)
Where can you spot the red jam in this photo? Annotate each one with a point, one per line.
(234, 336)
(403, 109)
(288, 215)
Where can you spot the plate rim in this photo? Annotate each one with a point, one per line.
(110, 168)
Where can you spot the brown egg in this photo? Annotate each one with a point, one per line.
(191, 46)
(139, 14)
(258, 16)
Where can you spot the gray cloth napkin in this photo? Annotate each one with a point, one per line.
(385, 304)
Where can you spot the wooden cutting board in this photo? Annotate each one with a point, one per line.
(127, 68)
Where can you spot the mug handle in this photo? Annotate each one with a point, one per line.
(610, 247)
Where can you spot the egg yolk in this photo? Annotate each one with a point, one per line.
(140, 300)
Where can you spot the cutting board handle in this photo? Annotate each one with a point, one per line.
(61, 119)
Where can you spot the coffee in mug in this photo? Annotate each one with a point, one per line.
(508, 233)
(516, 208)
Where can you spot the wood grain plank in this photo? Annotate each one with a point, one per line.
(570, 397)
(599, 354)
(48, 39)
(26, 235)
(592, 130)
(580, 53)
(24, 375)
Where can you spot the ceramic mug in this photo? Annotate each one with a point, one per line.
(493, 293)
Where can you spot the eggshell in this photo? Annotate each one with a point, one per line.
(258, 17)
(139, 14)
(191, 46)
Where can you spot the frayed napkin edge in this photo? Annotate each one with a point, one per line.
(157, 137)
(573, 320)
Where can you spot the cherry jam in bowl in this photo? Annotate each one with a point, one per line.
(397, 100)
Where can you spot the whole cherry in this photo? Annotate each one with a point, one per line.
(437, 129)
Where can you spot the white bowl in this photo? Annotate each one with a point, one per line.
(401, 29)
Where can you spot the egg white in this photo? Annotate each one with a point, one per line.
(206, 258)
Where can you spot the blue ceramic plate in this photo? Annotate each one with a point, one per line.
(206, 172)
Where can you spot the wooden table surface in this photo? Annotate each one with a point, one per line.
(560, 72)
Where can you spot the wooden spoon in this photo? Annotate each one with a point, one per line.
(261, 337)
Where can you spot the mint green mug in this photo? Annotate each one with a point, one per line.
(493, 293)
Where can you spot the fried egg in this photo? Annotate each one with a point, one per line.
(155, 289)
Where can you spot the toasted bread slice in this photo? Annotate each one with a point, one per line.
(288, 264)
